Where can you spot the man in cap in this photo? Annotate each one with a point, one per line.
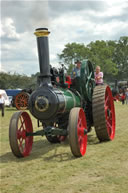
(76, 70)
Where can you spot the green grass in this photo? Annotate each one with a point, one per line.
(51, 168)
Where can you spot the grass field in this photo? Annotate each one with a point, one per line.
(51, 168)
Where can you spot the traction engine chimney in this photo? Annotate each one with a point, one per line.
(43, 54)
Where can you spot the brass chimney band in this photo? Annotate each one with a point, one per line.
(42, 33)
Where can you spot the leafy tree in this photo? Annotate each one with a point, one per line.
(14, 81)
(121, 57)
(99, 52)
(102, 54)
(73, 52)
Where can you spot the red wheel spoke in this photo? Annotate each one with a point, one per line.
(22, 124)
(81, 131)
(79, 122)
(19, 134)
(106, 100)
(21, 143)
(80, 140)
(109, 127)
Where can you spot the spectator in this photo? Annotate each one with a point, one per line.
(98, 76)
(126, 95)
(76, 70)
(122, 95)
(2, 101)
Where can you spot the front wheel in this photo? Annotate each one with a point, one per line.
(20, 143)
(77, 132)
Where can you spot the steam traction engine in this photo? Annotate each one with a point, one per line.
(64, 108)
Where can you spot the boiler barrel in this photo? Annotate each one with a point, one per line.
(47, 103)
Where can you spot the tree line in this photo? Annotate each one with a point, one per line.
(111, 56)
(16, 81)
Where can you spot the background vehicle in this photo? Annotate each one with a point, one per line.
(11, 94)
(19, 97)
(4, 94)
(118, 89)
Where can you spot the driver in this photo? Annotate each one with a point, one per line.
(76, 70)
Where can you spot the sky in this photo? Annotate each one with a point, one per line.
(68, 21)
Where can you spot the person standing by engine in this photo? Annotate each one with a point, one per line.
(98, 76)
(122, 96)
(2, 101)
(76, 70)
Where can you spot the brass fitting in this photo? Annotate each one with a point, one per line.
(42, 32)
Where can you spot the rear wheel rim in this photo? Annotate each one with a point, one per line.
(109, 113)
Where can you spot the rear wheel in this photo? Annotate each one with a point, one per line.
(77, 132)
(103, 113)
(20, 143)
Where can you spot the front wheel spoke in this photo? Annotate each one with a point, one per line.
(81, 131)
(23, 134)
(21, 144)
(22, 123)
(81, 144)
(79, 123)
(80, 141)
(21, 140)
(19, 134)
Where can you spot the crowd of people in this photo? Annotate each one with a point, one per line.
(123, 96)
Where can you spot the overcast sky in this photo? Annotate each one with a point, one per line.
(68, 21)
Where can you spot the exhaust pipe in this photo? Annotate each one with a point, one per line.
(43, 54)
